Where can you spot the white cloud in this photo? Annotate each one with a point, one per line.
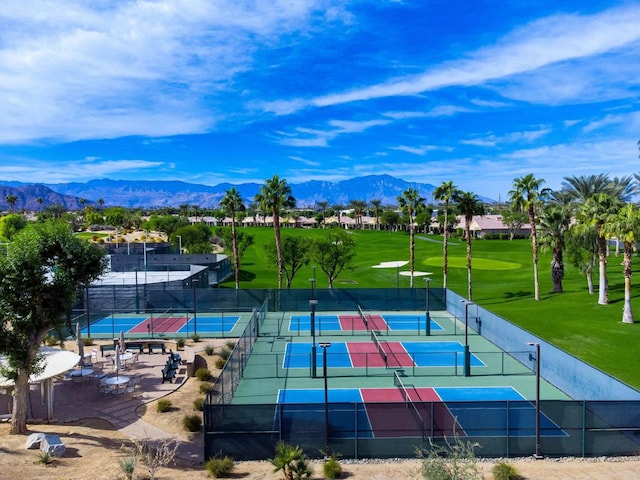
(420, 150)
(306, 137)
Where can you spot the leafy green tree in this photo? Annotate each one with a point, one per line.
(445, 193)
(195, 238)
(93, 218)
(390, 219)
(232, 203)
(275, 197)
(243, 240)
(168, 224)
(410, 202)
(625, 225)
(334, 253)
(554, 225)
(296, 253)
(40, 277)
(527, 196)
(582, 251)
(468, 205)
(11, 224)
(514, 220)
(117, 217)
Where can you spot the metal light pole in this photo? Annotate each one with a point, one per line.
(88, 310)
(467, 353)
(537, 455)
(180, 242)
(195, 306)
(313, 304)
(427, 330)
(324, 346)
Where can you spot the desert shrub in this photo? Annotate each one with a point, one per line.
(180, 343)
(231, 345)
(219, 466)
(291, 461)
(220, 363)
(208, 350)
(51, 341)
(163, 405)
(453, 460)
(203, 374)
(45, 458)
(197, 403)
(153, 455)
(225, 353)
(504, 471)
(87, 342)
(195, 337)
(332, 468)
(192, 423)
(128, 465)
(206, 387)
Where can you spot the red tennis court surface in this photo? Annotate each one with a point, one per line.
(160, 325)
(354, 322)
(366, 354)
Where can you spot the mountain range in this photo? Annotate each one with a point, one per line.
(155, 194)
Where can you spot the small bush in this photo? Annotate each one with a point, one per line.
(195, 337)
(206, 387)
(225, 353)
(192, 423)
(231, 345)
(180, 342)
(219, 466)
(45, 458)
(332, 468)
(208, 350)
(87, 342)
(203, 374)
(128, 465)
(51, 341)
(197, 403)
(504, 471)
(164, 405)
(220, 363)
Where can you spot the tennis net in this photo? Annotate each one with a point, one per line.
(381, 350)
(363, 317)
(397, 381)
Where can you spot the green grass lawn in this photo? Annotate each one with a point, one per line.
(502, 282)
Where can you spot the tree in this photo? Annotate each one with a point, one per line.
(594, 213)
(527, 196)
(377, 208)
(291, 461)
(295, 254)
(168, 224)
(11, 200)
(390, 219)
(554, 225)
(338, 207)
(275, 196)
(625, 225)
(410, 202)
(468, 205)
(40, 277)
(232, 203)
(11, 224)
(514, 220)
(195, 238)
(323, 205)
(582, 251)
(334, 253)
(445, 193)
(359, 207)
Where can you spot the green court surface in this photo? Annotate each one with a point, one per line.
(360, 360)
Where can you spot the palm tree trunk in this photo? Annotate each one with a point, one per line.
(557, 271)
(276, 230)
(468, 234)
(534, 249)
(603, 287)
(627, 314)
(412, 249)
(234, 246)
(444, 248)
(589, 275)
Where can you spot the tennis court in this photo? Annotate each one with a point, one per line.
(362, 322)
(145, 326)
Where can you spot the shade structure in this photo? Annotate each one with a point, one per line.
(80, 344)
(415, 274)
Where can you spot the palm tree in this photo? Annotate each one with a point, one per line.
(376, 204)
(323, 205)
(11, 200)
(232, 203)
(595, 213)
(410, 202)
(338, 208)
(40, 201)
(625, 225)
(527, 196)
(359, 207)
(554, 225)
(445, 193)
(468, 205)
(275, 196)
(585, 186)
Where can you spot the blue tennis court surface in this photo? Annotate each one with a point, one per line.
(111, 325)
(422, 354)
(392, 322)
(210, 325)
(323, 322)
(503, 410)
(206, 324)
(410, 322)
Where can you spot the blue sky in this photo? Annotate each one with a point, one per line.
(478, 92)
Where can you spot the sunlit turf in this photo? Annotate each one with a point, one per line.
(502, 279)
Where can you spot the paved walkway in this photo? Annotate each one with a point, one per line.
(76, 400)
